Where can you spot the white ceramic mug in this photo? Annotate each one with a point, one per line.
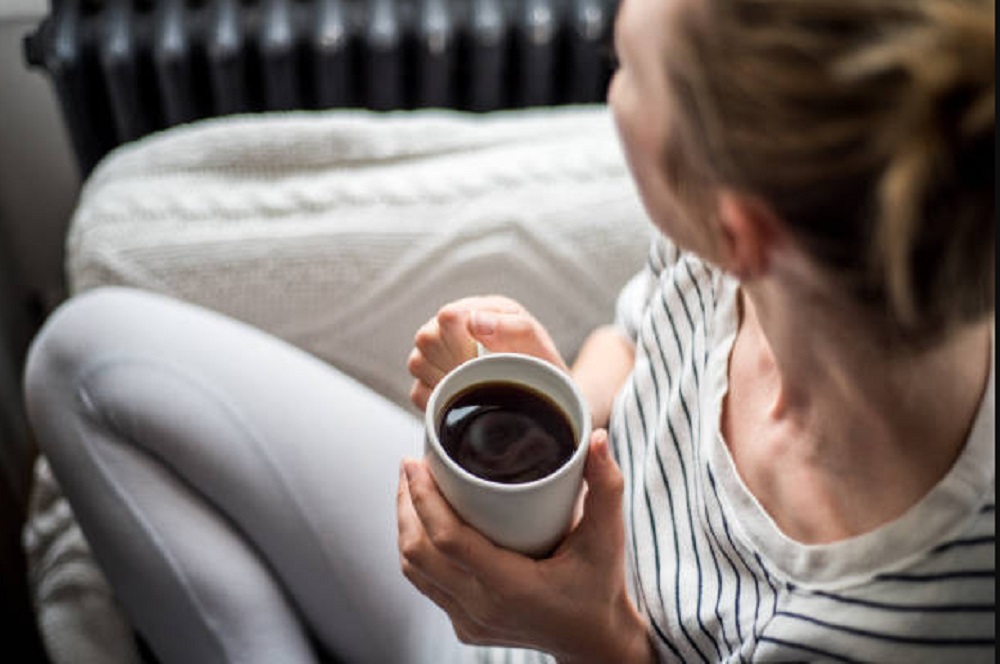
(530, 517)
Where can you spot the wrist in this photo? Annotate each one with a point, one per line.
(625, 640)
(636, 650)
(600, 369)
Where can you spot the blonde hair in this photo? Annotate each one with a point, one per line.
(868, 125)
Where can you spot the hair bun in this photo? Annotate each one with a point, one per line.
(868, 126)
(938, 140)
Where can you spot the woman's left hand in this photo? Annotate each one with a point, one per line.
(573, 605)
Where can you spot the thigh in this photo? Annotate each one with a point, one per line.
(299, 461)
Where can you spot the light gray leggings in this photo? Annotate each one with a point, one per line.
(236, 491)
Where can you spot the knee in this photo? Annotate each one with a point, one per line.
(78, 333)
(73, 333)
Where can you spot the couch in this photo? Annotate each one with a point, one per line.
(340, 232)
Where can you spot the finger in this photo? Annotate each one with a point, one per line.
(453, 325)
(419, 557)
(514, 332)
(420, 394)
(409, 535)
(460, 619)
(427, 588)
(422, 370)
(467, 628)
(455, 539)
(468, 597)
(408, 528)
(453, 322)
(601, 530)
(428, 341)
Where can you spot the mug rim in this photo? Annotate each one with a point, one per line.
(583, 442)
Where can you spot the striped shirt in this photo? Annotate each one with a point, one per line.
(716, 578)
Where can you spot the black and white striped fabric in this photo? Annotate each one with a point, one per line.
(713, 573)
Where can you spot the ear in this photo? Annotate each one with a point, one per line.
(751, 232)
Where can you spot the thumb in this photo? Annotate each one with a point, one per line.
(505, 332)
(602, 527)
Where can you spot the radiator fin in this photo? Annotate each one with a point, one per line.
(125, 68)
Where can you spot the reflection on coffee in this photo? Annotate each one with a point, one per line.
(505, 432)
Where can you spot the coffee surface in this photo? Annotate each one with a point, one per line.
(506, 433)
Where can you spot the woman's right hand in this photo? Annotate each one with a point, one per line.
(573, 604)
(449, 338)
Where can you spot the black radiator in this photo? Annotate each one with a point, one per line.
(125, 68)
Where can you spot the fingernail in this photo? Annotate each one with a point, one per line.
(408, 469)
(484, 322)
(603, 446)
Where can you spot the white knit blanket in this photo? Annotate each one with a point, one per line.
(342, 233)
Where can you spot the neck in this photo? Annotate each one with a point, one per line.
(860, 417)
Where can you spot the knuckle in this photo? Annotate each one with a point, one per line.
(521, 326)
(414, 361)
(447, 540)
(461, 634)
(450, 314)
(468, 632)
(426, 336)
(418, 395)
(409, 569)
(408, 550)
(424, 340)
(412, 553)
(406, 567)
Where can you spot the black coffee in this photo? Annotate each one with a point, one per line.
(506, 433)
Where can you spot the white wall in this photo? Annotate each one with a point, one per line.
(39, 182)
(22, 8)
(38, 189)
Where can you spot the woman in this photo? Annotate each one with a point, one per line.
(807, 448)
(798, 392)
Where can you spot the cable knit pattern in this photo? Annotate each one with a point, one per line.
(342, 232)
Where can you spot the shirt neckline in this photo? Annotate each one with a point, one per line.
(944, 511)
